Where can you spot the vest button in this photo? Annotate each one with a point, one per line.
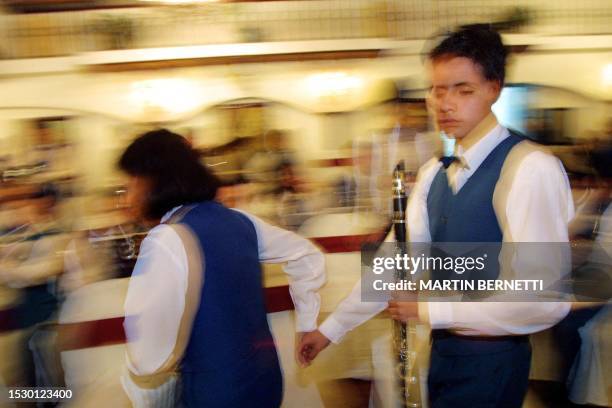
(444, 219)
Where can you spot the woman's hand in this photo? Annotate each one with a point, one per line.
(309, 346)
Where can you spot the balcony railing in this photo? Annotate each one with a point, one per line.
(70, 32)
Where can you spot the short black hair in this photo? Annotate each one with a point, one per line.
(481, 44)
(172, 167)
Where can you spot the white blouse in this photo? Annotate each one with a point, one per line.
(156, 295)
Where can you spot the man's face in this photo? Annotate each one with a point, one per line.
(460, 95)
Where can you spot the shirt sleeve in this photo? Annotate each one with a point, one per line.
(539, 206)
(417, 221)
(537, 209)
(304, 264)
(155, 300)
(349, 314)
(352, 311)
(496, 318)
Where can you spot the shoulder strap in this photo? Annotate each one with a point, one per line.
(195, 281)
(179, 214)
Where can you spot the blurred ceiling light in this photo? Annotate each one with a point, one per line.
(607, 75)
(174, 96)
(333, 83)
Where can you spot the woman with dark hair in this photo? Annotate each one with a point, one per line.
(195, 303)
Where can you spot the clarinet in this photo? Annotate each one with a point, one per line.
(404, 334)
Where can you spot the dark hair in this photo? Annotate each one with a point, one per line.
(172, 167)
(481, 44)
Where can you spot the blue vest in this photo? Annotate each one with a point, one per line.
(231, 359)
(468, 216)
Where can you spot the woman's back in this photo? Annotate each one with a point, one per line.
(231, 358)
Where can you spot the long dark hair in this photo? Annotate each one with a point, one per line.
(173, 169)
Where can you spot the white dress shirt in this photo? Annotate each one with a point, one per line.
(156, 293)
(533, 203)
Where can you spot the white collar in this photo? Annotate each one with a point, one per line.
(169, 214)
(473, 157)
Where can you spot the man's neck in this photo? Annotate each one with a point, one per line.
(480, 131)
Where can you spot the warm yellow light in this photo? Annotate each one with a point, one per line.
(333, 83)
(174, 96)
(607, 75)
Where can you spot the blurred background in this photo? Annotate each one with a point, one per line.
(302, 108)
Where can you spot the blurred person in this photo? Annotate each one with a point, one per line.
(195, 300)
(49, 149)
(593, 192)
(593, 197)
(252, 197)
(293, 207)
(235, 193)
(228, 159)
(495, 188)
(405, 138)
(32, 264)
(584, 335)
(359, 187)
(103, 244)
(98, 260)
(32, 260)
(13, 202)
(264, 164)
(589, 197)
(589, 380)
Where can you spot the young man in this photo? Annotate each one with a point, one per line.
(501, 189)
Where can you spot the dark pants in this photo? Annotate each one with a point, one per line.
(495, 379)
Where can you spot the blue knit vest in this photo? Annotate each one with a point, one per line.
(231, 359)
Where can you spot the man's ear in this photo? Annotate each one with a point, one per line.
(495, 88)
